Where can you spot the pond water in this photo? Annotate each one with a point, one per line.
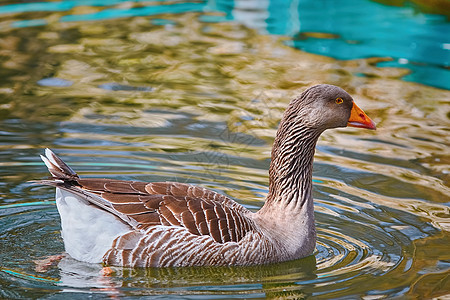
(193, 92)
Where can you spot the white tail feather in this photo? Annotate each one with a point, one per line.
(56, 166)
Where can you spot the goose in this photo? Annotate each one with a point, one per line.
(172, 224)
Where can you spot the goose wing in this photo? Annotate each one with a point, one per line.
(142, 205)
(199, 210)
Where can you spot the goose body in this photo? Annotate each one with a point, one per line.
(161, 224)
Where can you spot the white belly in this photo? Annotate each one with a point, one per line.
(87, 231)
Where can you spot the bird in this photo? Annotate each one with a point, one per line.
(173, 224)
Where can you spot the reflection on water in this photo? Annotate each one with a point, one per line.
(179, 91)
(415, 41)
(418, 42)
(271, 280)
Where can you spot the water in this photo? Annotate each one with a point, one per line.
(180, 91)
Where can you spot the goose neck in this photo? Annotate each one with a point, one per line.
(290, 173)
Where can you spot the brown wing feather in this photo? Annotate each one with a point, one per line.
(200, 211)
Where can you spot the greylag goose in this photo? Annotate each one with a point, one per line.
(162, 224)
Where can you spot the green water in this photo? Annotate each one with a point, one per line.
(170, 97)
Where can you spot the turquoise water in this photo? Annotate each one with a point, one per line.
(193, 92)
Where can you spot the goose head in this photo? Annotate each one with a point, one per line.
(326, 106)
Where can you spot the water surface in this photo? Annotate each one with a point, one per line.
(157, 91)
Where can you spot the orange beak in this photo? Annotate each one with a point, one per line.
(358, 118)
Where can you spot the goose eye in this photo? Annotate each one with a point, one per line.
(339, 100)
